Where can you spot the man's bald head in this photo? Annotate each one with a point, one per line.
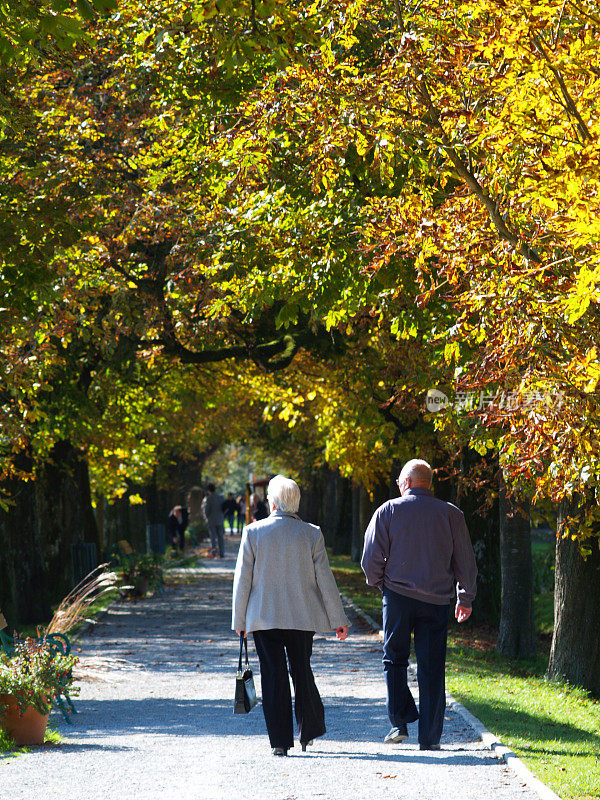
(417, 473)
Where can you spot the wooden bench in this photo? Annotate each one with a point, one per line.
(125, 550)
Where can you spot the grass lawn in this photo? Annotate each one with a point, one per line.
(351, 581)
(553, 728)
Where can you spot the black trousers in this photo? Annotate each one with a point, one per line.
(429, 623)
(272, 647)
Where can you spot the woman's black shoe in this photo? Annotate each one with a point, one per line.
(305, 745)
(279, 751)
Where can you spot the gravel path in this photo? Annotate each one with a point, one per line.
(155, 720)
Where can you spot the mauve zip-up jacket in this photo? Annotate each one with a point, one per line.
(419, 546)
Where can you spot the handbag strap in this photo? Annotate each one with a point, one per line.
(243, 645)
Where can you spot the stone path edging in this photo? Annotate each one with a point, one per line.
(89, 624)
(362, 614)
(489, 739)
(502, 752)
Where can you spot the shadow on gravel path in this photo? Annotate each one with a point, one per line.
(155, 721)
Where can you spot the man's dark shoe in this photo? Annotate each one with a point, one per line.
(429, 747)
(399, 734)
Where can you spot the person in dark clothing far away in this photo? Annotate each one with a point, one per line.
(416, 548)
(258, 508)
(212, 508)
(176, 524)
(241, 513)
(229, 509)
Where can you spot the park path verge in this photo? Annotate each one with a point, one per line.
(155, 720)
(488, 738)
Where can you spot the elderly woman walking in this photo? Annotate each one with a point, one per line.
(283, 592)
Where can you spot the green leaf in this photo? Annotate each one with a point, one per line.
(85, 9)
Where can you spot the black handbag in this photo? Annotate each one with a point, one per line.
(245, 693)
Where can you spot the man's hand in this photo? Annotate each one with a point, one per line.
(342, 633)
(462, 613)
(239, 633)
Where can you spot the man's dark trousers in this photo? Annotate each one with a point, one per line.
(271, 646)
(429, 623)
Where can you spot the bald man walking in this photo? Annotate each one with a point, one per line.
(416, 549)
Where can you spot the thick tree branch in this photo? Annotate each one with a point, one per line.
(463, 171)
(462, 168)
(399, 17)
(570, 105)
(401, 427)
(585, 12)
(268, 356)
(260, 353)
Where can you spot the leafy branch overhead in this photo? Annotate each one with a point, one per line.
(369, 199)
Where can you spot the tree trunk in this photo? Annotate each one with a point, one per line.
(482, 518)
(150, 495)
(100, 509)
(575, 652)
(516, 636)
(46, 517)
(365, 512)
(117, 524)
(310, 500)
(331, 503)
(361, 514)
(343, 534)
(23, 596)
(356, 545)
(395, 468)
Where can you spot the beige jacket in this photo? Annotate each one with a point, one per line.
(283, 578)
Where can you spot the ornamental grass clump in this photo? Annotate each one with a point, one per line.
(34, 674)
(100, 585)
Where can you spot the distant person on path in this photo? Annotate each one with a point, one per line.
(258, 508)
(229, 509)
(416, 548)
(196, 523)
(283, 592)
(176, 525)
(212, 509)
(241, 514)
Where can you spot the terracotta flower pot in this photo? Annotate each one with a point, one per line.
(27, 729)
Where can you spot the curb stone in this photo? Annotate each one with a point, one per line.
(90, 624)
(502, 753)
(363, 615)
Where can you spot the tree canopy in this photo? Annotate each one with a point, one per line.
(286, 223)
(336, 207)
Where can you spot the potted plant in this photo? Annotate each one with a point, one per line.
(143, 574)
(30, 678)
